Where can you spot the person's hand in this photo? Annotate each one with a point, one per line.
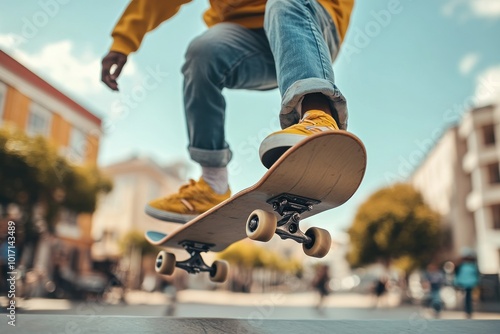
(112, 58)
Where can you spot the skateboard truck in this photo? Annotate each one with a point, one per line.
(290, 207)
(286, 203)
(166, 263)
(262, 225)
(288, 228)
(195, 263)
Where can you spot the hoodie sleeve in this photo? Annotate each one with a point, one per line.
(140, 17)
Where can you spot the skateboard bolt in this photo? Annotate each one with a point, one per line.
(292, 228)
(159, 261)
(254, 222)
(310, 207)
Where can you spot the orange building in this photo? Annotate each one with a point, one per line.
(32, 105)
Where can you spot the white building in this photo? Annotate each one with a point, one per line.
(481, 131)
(460, 178)
(135, 182)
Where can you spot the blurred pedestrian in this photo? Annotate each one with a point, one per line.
(379, 290)
(467, 278)
(171, 285)
(434, 279)
(321, 283)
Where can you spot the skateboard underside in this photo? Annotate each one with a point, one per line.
(320, 173)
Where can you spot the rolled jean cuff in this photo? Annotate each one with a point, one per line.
(292, 100)
(211, 158)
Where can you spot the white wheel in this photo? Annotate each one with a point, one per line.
(165, 263)
(219, 271)
(320, 243)
(261, 225)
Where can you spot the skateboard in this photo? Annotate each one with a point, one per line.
(319, 173)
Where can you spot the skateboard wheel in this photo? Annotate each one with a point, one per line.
(165, 263)
(219, 271)
(320, 243)
(261, 225)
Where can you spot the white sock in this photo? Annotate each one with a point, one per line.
(216, 178)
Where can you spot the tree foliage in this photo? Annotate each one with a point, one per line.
(135, 239)
(31, 170)
(394, 224)
(249, 255)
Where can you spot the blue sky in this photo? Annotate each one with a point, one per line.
(407, 77)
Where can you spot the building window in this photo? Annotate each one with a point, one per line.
(39, 121)
(495, 213)
(3, 95)
(489, 134)
(77, 146)
(493, 173)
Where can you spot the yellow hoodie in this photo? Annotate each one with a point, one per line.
(142, 16)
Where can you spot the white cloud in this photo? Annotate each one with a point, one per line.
(57, 62)
(468, 62)
(478, 8)
(79, 74)
(488, 87)
(450, 6)
(487, 8)
(8, 41)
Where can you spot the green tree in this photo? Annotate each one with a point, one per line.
(395, 225)
(250, 255)
(245, 256)
(135, 240)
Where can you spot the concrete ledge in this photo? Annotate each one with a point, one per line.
(26, 323)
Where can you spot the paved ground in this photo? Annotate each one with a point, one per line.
(217, 304)
(108, 324)
(225, 312)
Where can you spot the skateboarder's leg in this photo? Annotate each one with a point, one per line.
(225, 56)
(304, 41)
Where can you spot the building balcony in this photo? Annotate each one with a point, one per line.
(479, 199)
(474, 201)
(475, 158)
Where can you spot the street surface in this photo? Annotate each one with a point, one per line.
(224, 312)
(217, 304)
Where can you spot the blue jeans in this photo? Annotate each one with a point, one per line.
(294, 52)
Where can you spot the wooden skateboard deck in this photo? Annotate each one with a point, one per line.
(327, 167)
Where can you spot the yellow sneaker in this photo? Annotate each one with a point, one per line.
(277, 143)
(191, 200)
